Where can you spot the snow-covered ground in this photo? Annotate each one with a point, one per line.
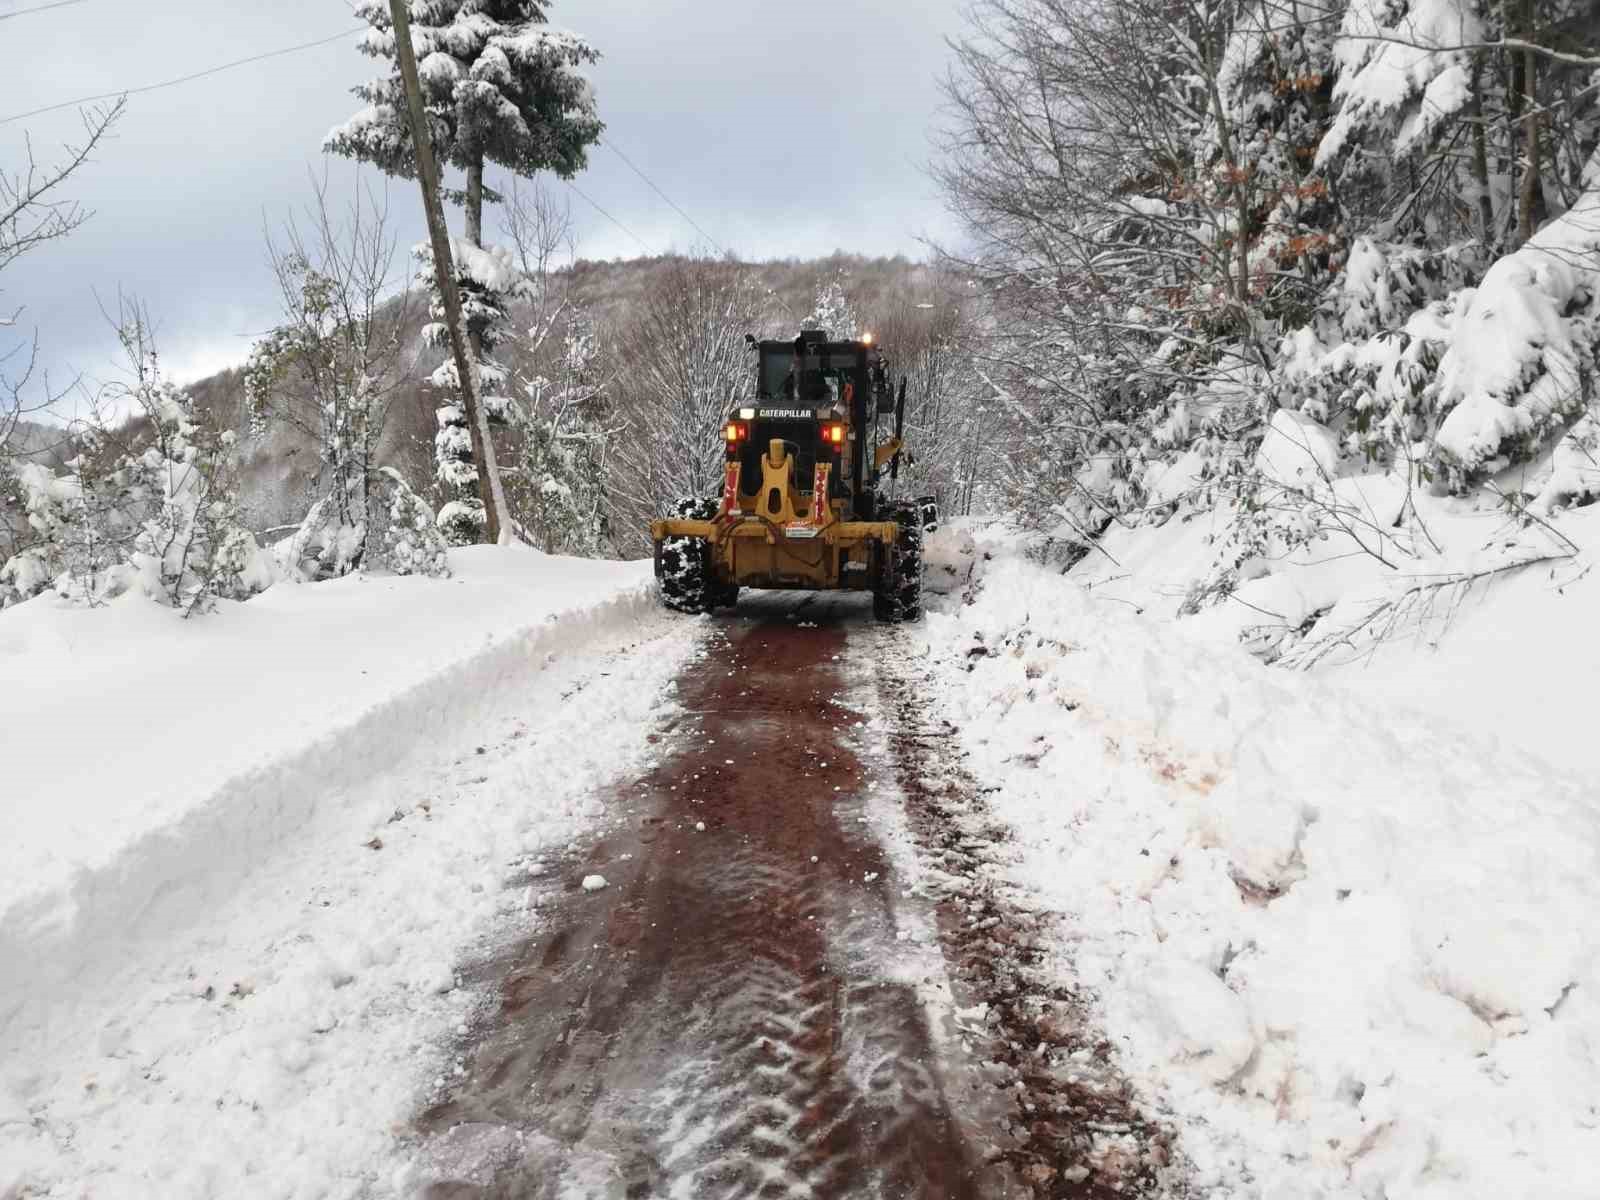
(1350, 945)
(1502, 652)
(1340, 922)
(245, 853)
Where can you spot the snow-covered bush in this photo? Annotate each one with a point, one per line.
(192, 545)
(150, 502)
(1521, 362)
(325, 544)
(412, 542)
(558, 492)
(1574, 468)
(53, 505)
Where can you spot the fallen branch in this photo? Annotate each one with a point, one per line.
(1419, 600)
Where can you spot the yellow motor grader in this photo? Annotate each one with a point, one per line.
(802, 502)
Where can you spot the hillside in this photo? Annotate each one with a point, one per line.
(279, 467)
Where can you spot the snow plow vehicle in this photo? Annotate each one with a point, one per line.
(803, 501)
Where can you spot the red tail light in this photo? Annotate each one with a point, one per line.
(736, 431)
(834, 434)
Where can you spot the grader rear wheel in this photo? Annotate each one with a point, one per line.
(897, 595)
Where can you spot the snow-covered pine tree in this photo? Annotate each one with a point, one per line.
(488, 281)
(412, 542)
(499, 83)
(500, 86)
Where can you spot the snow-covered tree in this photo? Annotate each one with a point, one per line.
(489, 281)
(560, 497)
(150, 501)
(35, 211)
(1135, 178)
(500, 85)
(1295, 263)
(331, 369)
(413, 544)
(833, 309)
(683, 365)
(949, 417)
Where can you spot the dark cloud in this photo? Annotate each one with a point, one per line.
(784, 130)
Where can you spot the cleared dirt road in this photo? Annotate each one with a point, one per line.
(757, 1004)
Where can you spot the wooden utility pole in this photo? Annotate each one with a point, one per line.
(494, 500)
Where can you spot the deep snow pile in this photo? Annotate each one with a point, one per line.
(1352, 947)
(247, 853)
(131, 732)
(1473, 628)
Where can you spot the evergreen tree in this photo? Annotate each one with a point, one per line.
(488, 281)
(412, 541)
(499, 86)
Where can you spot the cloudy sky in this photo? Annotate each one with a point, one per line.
(785, 130)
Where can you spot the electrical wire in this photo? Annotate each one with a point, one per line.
(152, 87)
(610, 218)
(22, 12)
(255, 58)
(652, 184)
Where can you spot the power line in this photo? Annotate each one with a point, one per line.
(611, 147)
(152, 87)
(255, 58)
(609, 217)
(22, 12)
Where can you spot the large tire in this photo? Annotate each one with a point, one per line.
(684, 573)
(897, 595)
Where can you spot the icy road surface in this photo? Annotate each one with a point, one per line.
(758, 1003)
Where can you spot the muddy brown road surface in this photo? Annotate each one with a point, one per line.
(736, 1013)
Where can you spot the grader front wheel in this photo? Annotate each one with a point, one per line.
(683, 567)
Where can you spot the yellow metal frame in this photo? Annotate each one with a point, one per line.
(790, 545)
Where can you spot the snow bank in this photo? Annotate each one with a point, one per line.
(283, 1043)
(1351, 947)
(150, 762)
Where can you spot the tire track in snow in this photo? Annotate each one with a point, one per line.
(714, 1024)
(1079, 1131)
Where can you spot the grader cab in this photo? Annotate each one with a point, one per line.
(803, 500)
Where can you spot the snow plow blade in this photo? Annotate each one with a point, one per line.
(750, 552)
